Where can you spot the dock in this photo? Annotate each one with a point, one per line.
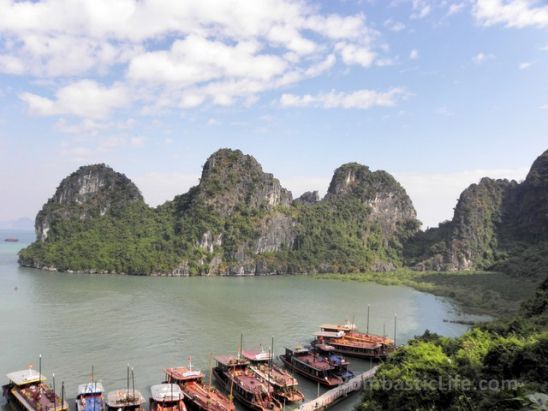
(339, 393)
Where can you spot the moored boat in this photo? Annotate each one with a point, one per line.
(199, 396)
(340, 363)
(166, 397)
(125, 400)
(284, 384)
(312, 366)
(347, 340)
(237, 379)
(90, 397)
(28, 391)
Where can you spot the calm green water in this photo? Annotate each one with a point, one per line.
(75, 321)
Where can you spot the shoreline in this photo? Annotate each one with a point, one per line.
(474, 293)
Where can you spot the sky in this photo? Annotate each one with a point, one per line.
(439, 93)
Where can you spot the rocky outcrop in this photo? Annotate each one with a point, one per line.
(389, 204)
(232, 179)
(90, 192)
(497, 224)
(471, 239)
(309, 197)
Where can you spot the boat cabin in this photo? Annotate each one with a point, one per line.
(166, 397)
(90, 397)
(125, 400)
(27, 389)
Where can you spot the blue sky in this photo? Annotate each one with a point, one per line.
(439, 93)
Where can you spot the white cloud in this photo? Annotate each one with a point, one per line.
(84, 98)
(355, 54)
(544, 107)
(178, 54)
(525, 65)
(196, 59)
(435, 194)
(414, 54)
(394, 25)
(481, 58)
(361, 99)
(511, 13)
(421, 9)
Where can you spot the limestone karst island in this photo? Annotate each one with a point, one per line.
(276, 205)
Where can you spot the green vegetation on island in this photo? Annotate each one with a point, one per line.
(500, 365)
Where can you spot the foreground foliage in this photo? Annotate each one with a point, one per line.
(501, 365)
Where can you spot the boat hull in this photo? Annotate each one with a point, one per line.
(359, 354)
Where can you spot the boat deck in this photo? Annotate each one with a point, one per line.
(250, 382)
(318, 363)
(39, 397)
(207, 397)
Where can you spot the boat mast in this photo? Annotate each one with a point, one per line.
(127, 381)
(241, 345)
(133, 382)
(54, 395)
(210, 371)
(62, 394)
(368, 307)
(40, 369)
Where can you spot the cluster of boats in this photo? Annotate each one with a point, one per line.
(251, 377)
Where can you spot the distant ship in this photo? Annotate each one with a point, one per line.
(11, 240)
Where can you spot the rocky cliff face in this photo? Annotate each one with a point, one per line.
(471, 239)
(90, 192)
(238, 220)
(496, 223)
(231, 179)
(389, 204)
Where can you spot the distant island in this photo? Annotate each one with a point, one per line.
(239, 220)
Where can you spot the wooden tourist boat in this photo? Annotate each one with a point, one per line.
(340, 363)
(90, 397)
(125, 400)
(237, 379)
(348, 341)
(199, 396)
(312, 366)
(284, 384)
(28, 391)
(166, 397)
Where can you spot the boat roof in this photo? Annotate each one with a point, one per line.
(90, 388)
(257, 355)
(184, 373)
(325, 347)
(298, 350)
(24, 377)
(124, 397)
(318, 363)
(230, 360)
(339, 327)
(166, 392)
(329, 334)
